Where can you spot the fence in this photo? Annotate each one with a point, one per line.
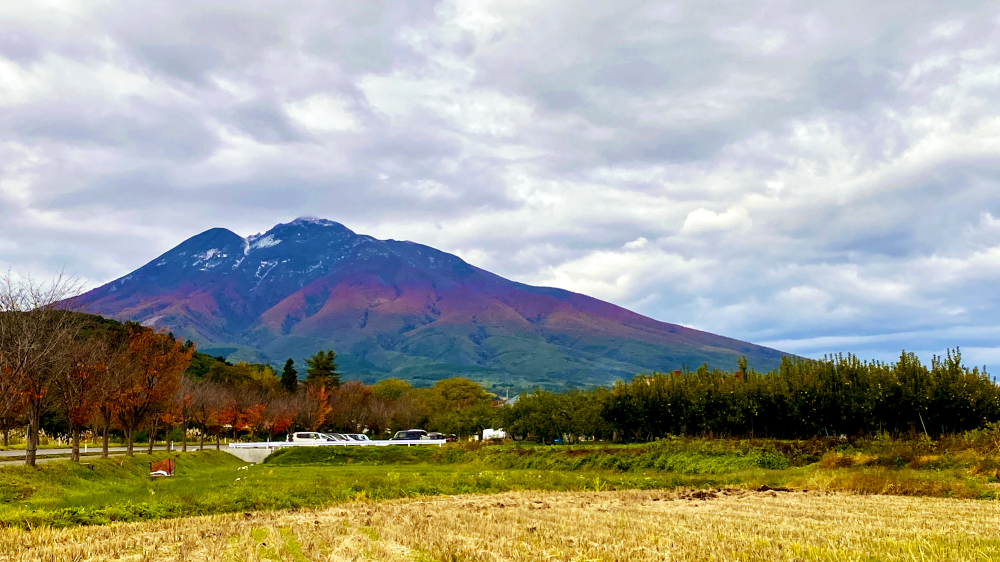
(281, 444)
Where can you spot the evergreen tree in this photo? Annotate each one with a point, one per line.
(289, 376)
(322, 369)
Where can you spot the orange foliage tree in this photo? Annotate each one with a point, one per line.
(160, 360)
(314, 407)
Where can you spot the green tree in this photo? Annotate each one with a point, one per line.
(469, 421)
(456, 393)
(321, 369)
(289, 376)
(391, 389)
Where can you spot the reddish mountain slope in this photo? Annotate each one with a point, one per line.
(394, 308)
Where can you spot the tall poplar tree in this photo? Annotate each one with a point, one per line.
(289, 376)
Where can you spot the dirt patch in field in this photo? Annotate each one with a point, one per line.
(720, 524)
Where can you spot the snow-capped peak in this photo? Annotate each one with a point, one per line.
(314, 220)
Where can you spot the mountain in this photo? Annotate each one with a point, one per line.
(392, 308)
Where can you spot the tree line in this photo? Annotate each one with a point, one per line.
(802, 398)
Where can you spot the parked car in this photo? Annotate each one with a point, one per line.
(336, 437)
(309, 437)
(409, 435)
(357, 436)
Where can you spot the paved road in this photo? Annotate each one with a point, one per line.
(66, 452)
(13, 458)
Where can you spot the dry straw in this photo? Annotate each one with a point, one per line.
(532, 526)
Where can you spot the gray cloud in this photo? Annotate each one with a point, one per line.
(818, 176)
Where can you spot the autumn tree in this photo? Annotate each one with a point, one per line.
(120, 364)
(409, 411)
(160, 361)
(245, 411)
(10, 413)
(314, 408)
(207, 403)
(182, 405)
(36, 329)
(380, 414)
(350, 406)
(280, 413)
(10, 404)
(79, 387)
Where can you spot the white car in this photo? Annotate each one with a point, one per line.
(309, 437)
(358, 436)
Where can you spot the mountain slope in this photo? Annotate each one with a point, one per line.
(394, 308)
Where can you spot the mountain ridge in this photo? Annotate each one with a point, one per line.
(396, 308)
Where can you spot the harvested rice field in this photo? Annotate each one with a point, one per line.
(570, 526)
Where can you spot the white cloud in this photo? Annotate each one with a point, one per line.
(323, 113)
(704, 220)
(637, 244)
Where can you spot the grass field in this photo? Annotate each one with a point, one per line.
(670, 500)
(65, 494)
(565, 526)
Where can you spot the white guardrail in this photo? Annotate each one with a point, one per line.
(281, 444)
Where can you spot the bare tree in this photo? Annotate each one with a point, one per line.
(183, 405)
(79, 386)
(207, 403)
(409, 411)
(10, 404)
(350, 405)
(380, 414)
(36, 329)
(10, 418)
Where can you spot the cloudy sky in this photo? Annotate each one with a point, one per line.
(814, 176)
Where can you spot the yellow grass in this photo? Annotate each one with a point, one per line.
(623, 526)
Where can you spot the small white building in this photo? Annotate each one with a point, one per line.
(494, 434)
